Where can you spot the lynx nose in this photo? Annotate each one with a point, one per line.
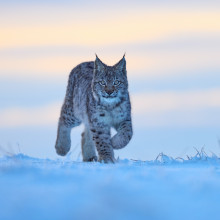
(109, 91)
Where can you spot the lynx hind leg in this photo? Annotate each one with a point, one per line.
(88, 147)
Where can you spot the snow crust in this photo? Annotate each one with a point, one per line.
(165, 188)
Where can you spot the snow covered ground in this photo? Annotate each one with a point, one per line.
(32, 188)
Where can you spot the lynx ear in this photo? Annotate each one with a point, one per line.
(121, 65)
(99, 65)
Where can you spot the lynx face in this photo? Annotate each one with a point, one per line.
(109, 82)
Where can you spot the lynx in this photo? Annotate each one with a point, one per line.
(97, 96)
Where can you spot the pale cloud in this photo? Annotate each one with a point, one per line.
(145, 103)
(177, 109)
(34, 116)
(185, 108)
(100, 29)
(149, 64)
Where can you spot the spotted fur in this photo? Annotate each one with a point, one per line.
(97, 96)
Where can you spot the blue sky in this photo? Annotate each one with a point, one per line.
(172, 52)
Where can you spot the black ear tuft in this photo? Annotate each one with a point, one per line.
(99, 65)
(121, 65)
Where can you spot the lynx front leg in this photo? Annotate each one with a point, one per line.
(102, 140)
(63, 141)
(123, 136)
(66, 122)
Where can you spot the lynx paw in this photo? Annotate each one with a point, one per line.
(107, 159)
(62, 151)
(92, 159)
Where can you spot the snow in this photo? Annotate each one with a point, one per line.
(165, 188)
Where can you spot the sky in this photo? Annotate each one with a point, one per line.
(172, 53)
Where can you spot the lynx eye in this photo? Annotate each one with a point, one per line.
(116, 82)
(102, 83)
